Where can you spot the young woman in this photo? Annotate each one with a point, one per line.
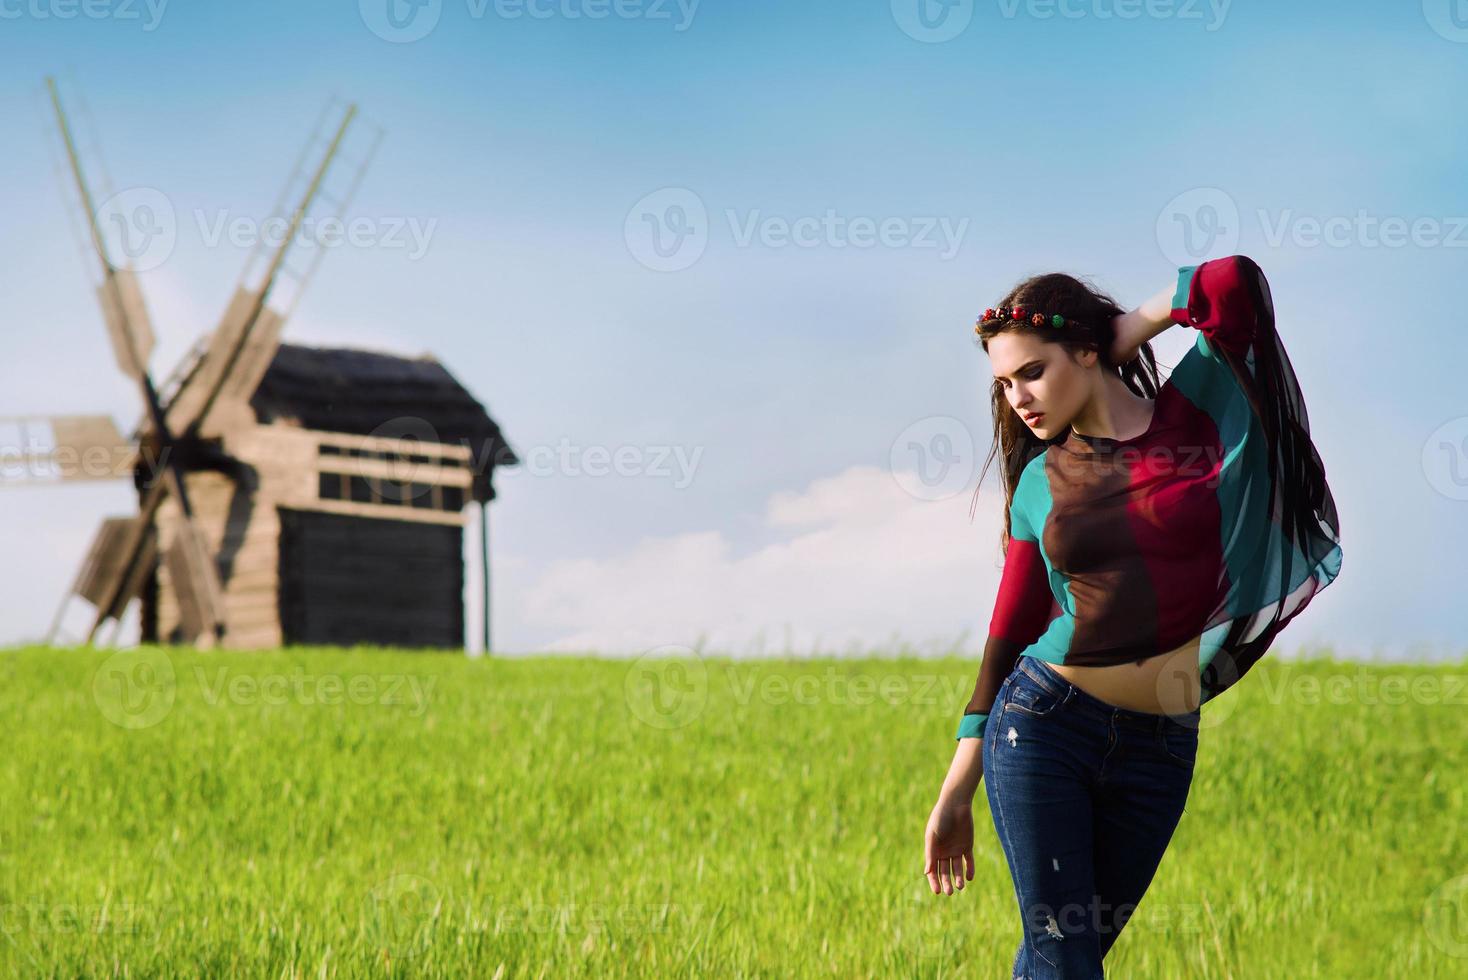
(1157, 539)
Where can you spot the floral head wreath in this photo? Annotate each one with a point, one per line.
(1018, 314)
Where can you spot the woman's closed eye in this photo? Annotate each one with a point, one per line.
(1028, 376)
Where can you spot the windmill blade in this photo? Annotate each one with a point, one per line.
(123, 309)
(117, 560)
(194, 574)
(66, 448)
(111, 575)
(125, 550)
(248, 327)
(132, 337)
(249, 335)
(195, 580)
(128, 325)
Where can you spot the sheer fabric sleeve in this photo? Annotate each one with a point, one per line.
(1280, 542)
(1217, 300)
(1022, 609)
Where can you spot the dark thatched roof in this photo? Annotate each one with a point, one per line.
(370, 393)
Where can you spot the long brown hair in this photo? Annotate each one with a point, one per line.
(1088, 313)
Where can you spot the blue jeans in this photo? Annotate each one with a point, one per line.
(1085, 796)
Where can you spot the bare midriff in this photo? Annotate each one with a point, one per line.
(1165, 684)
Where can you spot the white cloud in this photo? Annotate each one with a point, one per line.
(864, 565)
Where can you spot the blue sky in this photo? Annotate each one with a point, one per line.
(1110, 139)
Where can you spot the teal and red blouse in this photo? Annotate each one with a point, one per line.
(1216, 522)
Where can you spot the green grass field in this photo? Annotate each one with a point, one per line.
(317, 813)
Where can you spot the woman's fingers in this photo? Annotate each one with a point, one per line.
(946, 874)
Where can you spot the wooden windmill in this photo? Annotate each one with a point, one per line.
(286, 494)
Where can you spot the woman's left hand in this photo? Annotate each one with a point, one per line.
(948, 850)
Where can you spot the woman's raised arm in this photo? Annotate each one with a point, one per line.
(1140, 325)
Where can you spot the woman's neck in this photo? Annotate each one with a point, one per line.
(1115, 412)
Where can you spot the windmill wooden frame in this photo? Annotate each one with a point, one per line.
(264, 519)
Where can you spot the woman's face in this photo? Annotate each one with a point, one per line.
(1040, 379)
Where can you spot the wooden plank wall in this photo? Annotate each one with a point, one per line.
(347, 579)
(245, 539)
(370, 549)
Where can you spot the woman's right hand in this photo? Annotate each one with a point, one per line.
(948, 849)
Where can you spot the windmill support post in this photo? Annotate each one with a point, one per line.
(484, 566)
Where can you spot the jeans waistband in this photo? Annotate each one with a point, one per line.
(1042, 674)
